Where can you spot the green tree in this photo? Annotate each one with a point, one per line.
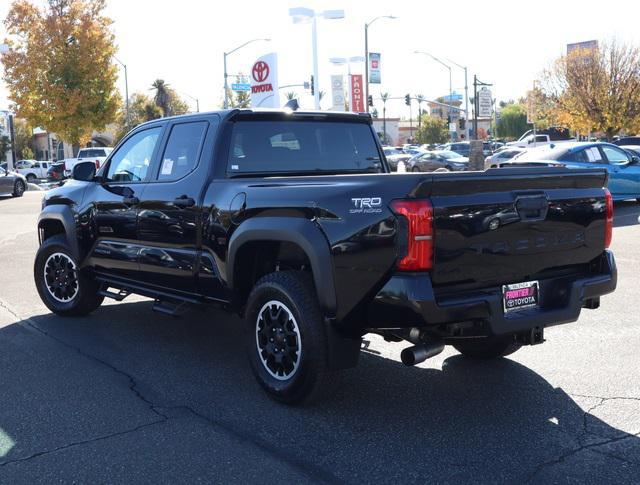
(59, 67)
(513, 121)
(141, 109)
(239, 99)
(27, 154)
(23, 139)
(290, 95)
(168, 100)
(5, 146)
(432, 130)
(177, 106)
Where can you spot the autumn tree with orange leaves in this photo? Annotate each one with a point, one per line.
(59, 67)
(592, 90)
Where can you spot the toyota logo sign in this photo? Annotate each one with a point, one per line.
(260, 71)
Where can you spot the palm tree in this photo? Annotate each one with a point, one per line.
(291, 95)
(162, 97)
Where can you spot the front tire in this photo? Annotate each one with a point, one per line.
(415, 169)
(63, 288)
(31, 178)
(489, 347)
(287, 343)
(18, 188)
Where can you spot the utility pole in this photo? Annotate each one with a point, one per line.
(384, 120)
(410, 123)
(475, 107)
(224, 55)
(126, 90)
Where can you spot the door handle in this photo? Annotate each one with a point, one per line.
(184, 201)
(131, 200)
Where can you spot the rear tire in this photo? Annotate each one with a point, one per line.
(63, 288)
(286, 341)
(18, 188)
(488, 348)
(415, 169)
(31, 178)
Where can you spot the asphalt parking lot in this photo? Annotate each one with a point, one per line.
(129, 395)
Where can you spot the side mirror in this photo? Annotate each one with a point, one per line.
(85, 171)
(634, 159)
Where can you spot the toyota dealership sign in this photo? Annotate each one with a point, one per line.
(264, 82)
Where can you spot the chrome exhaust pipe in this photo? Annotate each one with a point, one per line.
(419, 353)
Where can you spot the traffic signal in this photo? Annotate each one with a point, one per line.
(407, 100)
(312, 86)
(463, 123)
(370, 100)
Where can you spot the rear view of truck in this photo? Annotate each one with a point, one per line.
(491, 259)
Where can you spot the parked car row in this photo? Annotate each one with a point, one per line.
(622, 163)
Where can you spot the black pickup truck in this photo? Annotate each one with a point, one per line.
(291, 220)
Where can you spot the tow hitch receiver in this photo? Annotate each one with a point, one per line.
(534, 337)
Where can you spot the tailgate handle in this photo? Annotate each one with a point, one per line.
(532, 208)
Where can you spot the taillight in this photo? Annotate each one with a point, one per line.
(608, 228)
(419, 216)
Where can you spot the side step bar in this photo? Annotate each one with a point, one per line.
(171, 308)
(121, 295)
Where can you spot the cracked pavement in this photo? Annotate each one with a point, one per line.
(129, 395)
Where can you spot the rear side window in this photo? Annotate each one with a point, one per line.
(183, 150)
(579, 157)
(92, 153)
(302, 146)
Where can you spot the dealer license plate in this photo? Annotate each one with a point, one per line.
(520, 295)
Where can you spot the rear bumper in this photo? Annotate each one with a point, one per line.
(408, 300)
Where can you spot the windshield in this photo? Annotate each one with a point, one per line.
(391, 151)
(302, 146)
(449, 154)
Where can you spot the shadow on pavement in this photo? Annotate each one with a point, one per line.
(626, 214)
(126, 394)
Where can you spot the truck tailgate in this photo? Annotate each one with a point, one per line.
(514, 225)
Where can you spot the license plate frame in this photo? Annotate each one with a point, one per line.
(520, 296)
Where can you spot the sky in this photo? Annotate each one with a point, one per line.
(505, 43)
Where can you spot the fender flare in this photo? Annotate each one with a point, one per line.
(64, 215)
(303, 232)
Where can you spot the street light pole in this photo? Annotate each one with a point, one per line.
(195, 99)
(305, 15)
(316, 79)
(366, 63)
(466, 95)
(366, 54)
(126, 90)
(226, 83)
(449, 104)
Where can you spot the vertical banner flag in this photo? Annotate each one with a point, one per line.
(264, 82)
(374, 67)
(357, 93)
(337, 92)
